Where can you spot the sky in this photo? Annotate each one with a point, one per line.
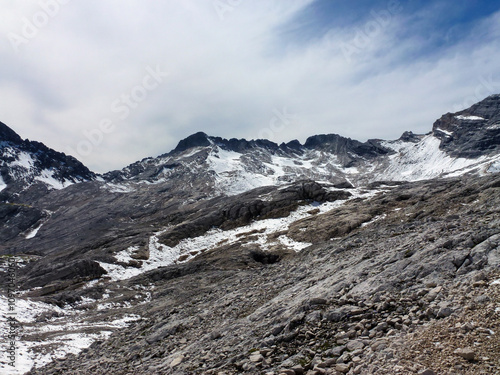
(114, 81)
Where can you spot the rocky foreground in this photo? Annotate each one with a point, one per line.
(404, 282)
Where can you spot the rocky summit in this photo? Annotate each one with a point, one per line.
(229, 256)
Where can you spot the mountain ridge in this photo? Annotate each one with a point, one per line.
(464, 135)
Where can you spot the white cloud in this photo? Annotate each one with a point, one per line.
(227, 77)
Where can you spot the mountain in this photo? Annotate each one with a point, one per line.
(235, 256)
(459, 143)
(25, 164)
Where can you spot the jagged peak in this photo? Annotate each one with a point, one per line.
(199, 139)
(9, 135)
(409, 136)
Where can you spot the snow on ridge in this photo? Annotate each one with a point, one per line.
(3, 185)
(236, 173)
(470, 118)
(423, 160)
(232, 177)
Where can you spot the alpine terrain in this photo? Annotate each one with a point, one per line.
(250, 257)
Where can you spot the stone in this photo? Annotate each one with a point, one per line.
(317, 301)
(256, 357)
(465, 353)
(342, 367)
(427, 372)
(355, 345)
(177, 361)
(444, 312)
(337, 351)
(298, 369)
(433, 293)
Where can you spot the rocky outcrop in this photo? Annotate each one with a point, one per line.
(473, 132)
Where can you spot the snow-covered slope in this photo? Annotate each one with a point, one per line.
(464, 142)
(424, 160)
(230, 172)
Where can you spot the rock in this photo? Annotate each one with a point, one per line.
(382, 326)
(299, 370)
(287, 372)
(334, 316)
(315, 316)
(215, 335)
(355, 345)
(342, 367)
(427, 372)
(328, 363)
(256, 357)
(433, 293)
(177, 361)
(482, 299)
(162, 332)
(317, 301)
(444, 312)
(337, 351)
(278, 329)
(466, 353)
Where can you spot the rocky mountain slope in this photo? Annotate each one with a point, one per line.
(25, 164)
(234, 256)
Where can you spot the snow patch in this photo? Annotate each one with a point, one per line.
(470, 118)
(257, 233)
(3, 185)
(494, 167)
(118, 188)
(24, 160)
(47, 177)
(67, 334)
(376, 218)
(445, 132)
(34, 232)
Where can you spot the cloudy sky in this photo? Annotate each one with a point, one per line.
(114, 81)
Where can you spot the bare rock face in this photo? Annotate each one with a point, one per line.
(472, 132)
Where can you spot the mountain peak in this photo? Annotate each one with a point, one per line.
(9, 135)
(199, 139)
(28, 163)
